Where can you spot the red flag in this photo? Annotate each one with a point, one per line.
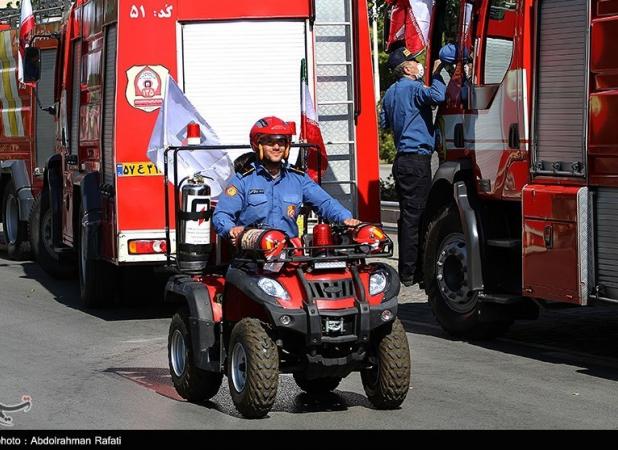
(409, 24)
(26, 25)
(310, 130)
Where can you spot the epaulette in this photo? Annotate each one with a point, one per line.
(248, 172)
(295, 170)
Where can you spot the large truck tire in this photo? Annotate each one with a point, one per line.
(15, 231)
(453, 304)
(387, 383)
(316, 386)
(253, 369)
(191, 383)
(41, 241)
(97, 278)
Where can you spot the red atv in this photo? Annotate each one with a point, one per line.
(316, 309)
(318, 312)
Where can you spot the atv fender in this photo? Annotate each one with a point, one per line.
(201, 318)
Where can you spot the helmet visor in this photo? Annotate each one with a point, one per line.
(272, 139)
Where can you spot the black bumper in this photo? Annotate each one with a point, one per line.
(309, 322)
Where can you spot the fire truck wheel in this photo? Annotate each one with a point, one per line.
(318, 385)
(253, 369)
(97, 278)
(387, 382)
(454, 305)
(191, 382)
(15, 231)
(41, 242)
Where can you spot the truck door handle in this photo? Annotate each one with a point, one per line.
(548, 236)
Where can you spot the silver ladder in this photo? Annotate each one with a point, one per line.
(334, 62)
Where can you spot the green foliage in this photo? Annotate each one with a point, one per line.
(387, 147)
(387, 190)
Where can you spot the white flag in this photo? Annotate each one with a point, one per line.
(171, 130)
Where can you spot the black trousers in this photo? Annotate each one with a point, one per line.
(412, 174)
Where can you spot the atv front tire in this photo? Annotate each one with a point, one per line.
(388, 381)
(253, 369)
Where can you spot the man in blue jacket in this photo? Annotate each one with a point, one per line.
(407, 111)
(271, 193)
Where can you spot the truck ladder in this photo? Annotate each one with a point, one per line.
(334, 60)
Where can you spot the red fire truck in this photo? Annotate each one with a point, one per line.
(27, 131)
(524, 208)
(102, 199)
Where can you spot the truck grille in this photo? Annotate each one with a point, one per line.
(331, 290)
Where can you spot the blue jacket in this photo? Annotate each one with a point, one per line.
(406, 109)
(256, 198)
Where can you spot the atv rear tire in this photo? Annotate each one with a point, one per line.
(388, 381)
(253, 369)
(41, 240)
(191, 383)
(454, 305)
(317, 385)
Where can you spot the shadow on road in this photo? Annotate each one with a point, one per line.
(582, 337)
(290, 398)
(140, 294)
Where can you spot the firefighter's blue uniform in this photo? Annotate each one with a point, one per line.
(256, 198)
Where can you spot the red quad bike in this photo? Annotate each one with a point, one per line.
(317, 310)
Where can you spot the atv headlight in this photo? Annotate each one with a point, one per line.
(273, 288)
(378, 282)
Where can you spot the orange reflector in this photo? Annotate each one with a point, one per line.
(147, 246)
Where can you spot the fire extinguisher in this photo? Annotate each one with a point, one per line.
(193, 239)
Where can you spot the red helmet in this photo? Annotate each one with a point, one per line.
(271, 126)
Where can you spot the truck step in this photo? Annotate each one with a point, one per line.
(502, 299)
(504, 243)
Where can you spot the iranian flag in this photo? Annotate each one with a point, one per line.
(26, 25)
(408, 24)
(317, 160)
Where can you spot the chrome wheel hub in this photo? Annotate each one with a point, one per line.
(452, 274)
(239, 367)
(178, 353)
(11, 215)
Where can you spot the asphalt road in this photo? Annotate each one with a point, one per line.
(108, 370)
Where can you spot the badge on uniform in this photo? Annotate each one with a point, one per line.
(231, 191)
(292, 211)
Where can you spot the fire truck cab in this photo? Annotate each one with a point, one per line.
(522, 208)
(102, 200)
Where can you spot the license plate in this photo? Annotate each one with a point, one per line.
(329, 265)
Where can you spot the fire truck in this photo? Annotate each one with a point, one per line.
(27, 131)
(523, 210)
(101, 201)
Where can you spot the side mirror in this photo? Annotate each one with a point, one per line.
(32, 65)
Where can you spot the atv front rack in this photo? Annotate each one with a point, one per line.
(347, 252)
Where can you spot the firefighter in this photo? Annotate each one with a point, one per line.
(271, 192)
(407, 110)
